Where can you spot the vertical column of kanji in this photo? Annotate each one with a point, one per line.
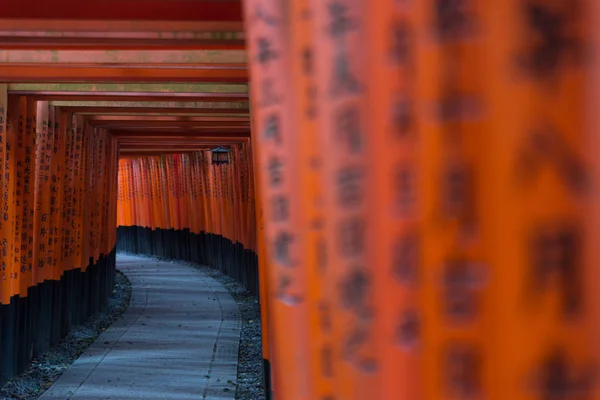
(273, 108)
(128, 192)
(148, 182)
(41, 220)
(201, 181)
(218, 187)
(9, 185)
(160, 169)
(193, 200)
(56, 193)
(95, 185)
(47, 187)
(312, 223)
(109, 205)
(151, 193)
(179, 188)
(27, 197)
(341, 58)
(453, 277)
(537, 186)
(393, 196)
(20, 230)
(143, 194)
(139, 192)
(5, 196)
(160, 201)
(185, 217)
(232, 184)
(18, 133)
(169, 189)
(121, 195)
(90, 195)
(113, 158)
(174, 175)
(69, 189)
(4, 216)
(209, 194)
(222, 203)
(135, 183)
(245, 207)
(99, 242)
(241, 189)
(79, 172)
(188, 179)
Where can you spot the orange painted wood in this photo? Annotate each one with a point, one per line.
(341, 60)
(277, 137)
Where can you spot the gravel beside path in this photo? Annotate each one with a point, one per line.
(49, 367)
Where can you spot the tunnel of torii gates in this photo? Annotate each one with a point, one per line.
(413, 194)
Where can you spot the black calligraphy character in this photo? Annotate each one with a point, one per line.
(321, 254)
(354, 289)
(547, 145)
(349, 187)
(311, 108)
(557, 381)
(551, 44)
(280, 208)
(351, 237)
(281, 248)
(283, 289)
(406, 258)
(340, 22)
(325, 317)
(265, 51)
(557, 251)
(348, 127)
(343, 80)
(460, 282)
(458, 193)
(408, 330)
(405, 189)
(355, 339)
(261, 15)
(307, 61)
(272, 130)
(275, 171)
(462, 365)
(400, 49)
(451, 18)
(402, 117)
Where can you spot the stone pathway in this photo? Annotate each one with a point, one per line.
(178, 339)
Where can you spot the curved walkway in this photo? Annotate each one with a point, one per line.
(178, 339)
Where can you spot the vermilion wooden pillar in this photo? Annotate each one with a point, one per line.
(277, 137)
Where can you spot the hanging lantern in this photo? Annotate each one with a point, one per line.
(220, 155)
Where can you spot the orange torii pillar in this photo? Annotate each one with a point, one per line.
(451, 150)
